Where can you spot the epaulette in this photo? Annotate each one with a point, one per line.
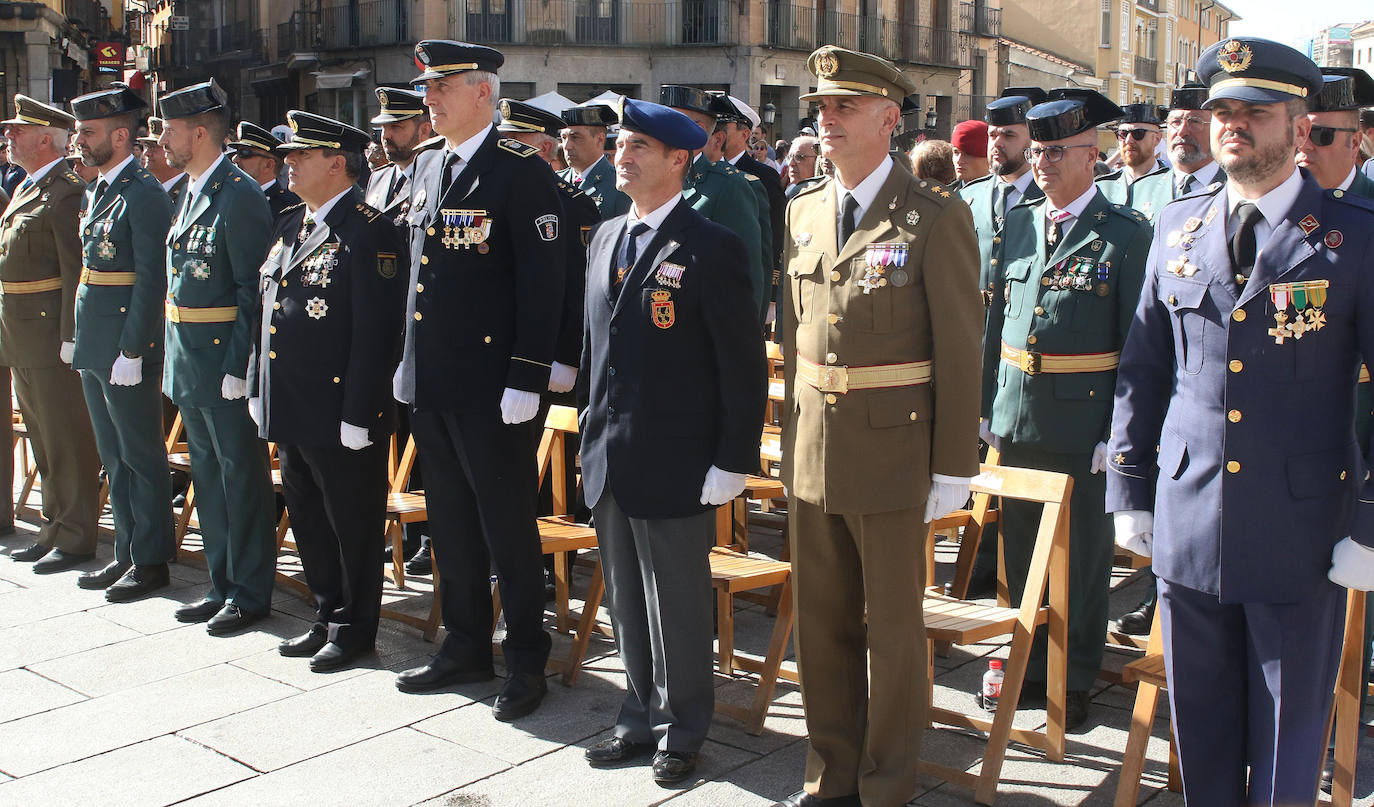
(433, 143)
(727, 168)
(972, 182)
(936, 191)
(748, 176)
(1112, 177)
(571, 190)
(368, 210)
(1127, 212)
(808, 185)
(516, 147)
(71, 177)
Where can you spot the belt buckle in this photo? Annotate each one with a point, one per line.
(833, 379)
(1030, 362)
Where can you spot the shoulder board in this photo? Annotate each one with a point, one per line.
(935, 190)
(748, 176)
(1131, 213)
(726, 168)
(435, 142)
(1112, 177)
(71, 177)
(368, 210)
(809, 185)
(516, 147)
(1351, 198)
(974, 182)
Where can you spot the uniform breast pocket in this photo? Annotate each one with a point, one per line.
(804, 275)
(1015, 290)
(1183, 299)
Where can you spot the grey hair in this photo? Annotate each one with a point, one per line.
(473, 77)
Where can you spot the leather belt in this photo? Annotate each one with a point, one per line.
(31, 286)
(176, 313)
(98, 278)
(838, 379)
(1032, 363)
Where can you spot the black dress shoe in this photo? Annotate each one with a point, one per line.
(1075, 709)
(59, 561)
(230, 619)
(104, 578)
(422, 562)
(1137, 622)
(671, 767)
(803, 799)
(305, 645)
(441, 671)
(198, 611)
(615, 750)
(30, 553)
(138, 581)
(334, 657)
(522, 694)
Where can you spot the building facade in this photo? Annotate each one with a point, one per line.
(1362, 47)
(47, 49)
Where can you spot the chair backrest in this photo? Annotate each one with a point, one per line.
(400, 477)
(174, 434)
(552, 458)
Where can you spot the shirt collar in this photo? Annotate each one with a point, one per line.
(469, 147)
(1203, 176)
(1022, 182)
(318, 215)
(1077, 206)
(42, 172)
(118, 169)
(735, 159)
(1275, 204)
(199, 185)
(655, 217)
(268, 184)
(167, 186)
(1349, 178)
(866, 191)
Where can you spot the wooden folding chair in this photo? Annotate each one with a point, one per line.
(969, 524)
(949, 619)
(405, 507)
(1350, 689)
(1148, 673)
(21, 442)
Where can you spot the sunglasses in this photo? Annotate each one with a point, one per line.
(1137, 134)
(1051, 154)
(1326, 135)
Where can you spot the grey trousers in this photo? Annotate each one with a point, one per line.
(658, 585)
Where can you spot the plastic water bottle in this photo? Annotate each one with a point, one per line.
(992, 685)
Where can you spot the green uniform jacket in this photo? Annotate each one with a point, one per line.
(38, 242)
(115, 238)
(1364, 391)
(720, 192)
(1149, 194)
(214, 252)
(1100, 266)
(978, 195)
(765, 234)
(599, 184)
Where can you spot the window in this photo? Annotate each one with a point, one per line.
(1106, 22)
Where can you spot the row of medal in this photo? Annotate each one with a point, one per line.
(201, 239)
(1079, 273)
(466, 228)
(1306, 298)
(105, 248)
(877, 259)
(316, 268)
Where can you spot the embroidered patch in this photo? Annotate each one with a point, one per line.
(661, 309)
(1333, 239)
(547, 225)
(386, 264)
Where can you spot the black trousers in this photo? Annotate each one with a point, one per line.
(480, 484)
(337, 500)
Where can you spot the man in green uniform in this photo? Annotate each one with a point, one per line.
(1069, 272)
(1138, 133)
(589, 169)
(880, 327)
(720, 192)
(40, 266)
(119, 341)
(174, 180)
(217, 243)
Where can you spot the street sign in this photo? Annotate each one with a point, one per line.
(181, 23)
(109, 55)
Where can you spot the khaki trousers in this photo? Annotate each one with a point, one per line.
(54, 410)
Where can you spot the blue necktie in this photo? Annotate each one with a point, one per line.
(629, 252)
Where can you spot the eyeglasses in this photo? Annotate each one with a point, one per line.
(1326, 135)
(1138, 134)
(1052, 154)
(1190, 120)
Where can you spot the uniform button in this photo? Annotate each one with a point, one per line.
(42, 313)
(830, 398)
(997, 239)
(832, 318)
(271, 354)
(283, 284)
(430, 231)
(1342, 475)
(611, 370)
(1045, 281)
(1092, 393)
(217, 342)
(418, 317)
(122, 309)
(177, 245)
(336, 379)
(610, 410)
(831, 358)
(419, 287)
(1233, 416)
(88, 231)
(992, 262)
(486, 340)
(913, 415)
(424, 259)
(1032, 339)
(1039, 309)
(835, 276)
(1236, 365)
(1238, 315)
(1173, 300)
(1233, 467)
(276, 306)
(271, 329)
(614, 330)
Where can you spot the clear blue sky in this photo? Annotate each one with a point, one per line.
(1294, 24)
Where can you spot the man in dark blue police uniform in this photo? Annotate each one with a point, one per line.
(1240, 369)
(676, 372)
(333, 298)
(254, 151)
(487, 288)
(405, 125)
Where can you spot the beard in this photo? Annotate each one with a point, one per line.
(1262, 162)
(1187, 151)
(1005, 164)
(97, 154)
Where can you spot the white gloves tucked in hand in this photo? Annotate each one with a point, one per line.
(126, 372)
(1352, 565)
(353, 437)
(65, 352)
(518, 406)
(562, 377)
(1135, 531)
(721, 486)
(1099, 459)
(232, 388)
(947, 494)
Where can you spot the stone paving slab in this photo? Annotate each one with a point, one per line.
(27, 693)
(56, 638)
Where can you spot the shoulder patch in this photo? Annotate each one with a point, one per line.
(516, 147)
(71, 177)
(433, 143)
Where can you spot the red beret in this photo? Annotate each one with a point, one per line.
(971, 137)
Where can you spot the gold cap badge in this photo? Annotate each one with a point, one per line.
(1234, 56)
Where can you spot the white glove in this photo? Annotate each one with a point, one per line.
(232, 388)
(396, 386)
(721, 486)
(65, 352)
(353, 437)
(126, 372)
(562, 377)
(947, 494)
(1135, 531)
(772, 315)
(1099, 459)
(255, 410)
(518, 406)
(985, 434)
(1352, 565)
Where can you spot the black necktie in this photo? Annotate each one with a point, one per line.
(100, 189)
(849, 211)
(999, 203)
(1184, 184)
(446, 179)
(1242, 245)
(396, 185)
(629, 252)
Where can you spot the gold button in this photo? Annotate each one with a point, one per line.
(913, 415)
(835, 276)
(830, 398)
(831, 358)
(271, 354)
(1233, 467)
(276, 306)
(992, 262)
(418, 317)
(1233, 416)
(424, 259)
(832, 318)
(217, 342)
(336, 379)
(1236, 365)
(42, 313)
(1238, 315)
(419, 287)
(430, 231)
(283, 284)
(1039, 309)
(122, 309)
(152, 344)
(1173, 300)
(1032, 339)
(1045, 281)
(88, 231)
(1092, 392)
(1342, 475)
(177, 245)
(486, 339)
(997, 239)
(272, 329)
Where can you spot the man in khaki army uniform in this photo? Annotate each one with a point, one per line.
(879, 336)
(40, 266)
(1068, 276)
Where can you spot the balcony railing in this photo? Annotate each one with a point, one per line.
(625, 23)
(1146, 69)
(368, 24)
(989, 21)
(1152, 5)
(801, 27)
(300, 34)
(972, 107)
